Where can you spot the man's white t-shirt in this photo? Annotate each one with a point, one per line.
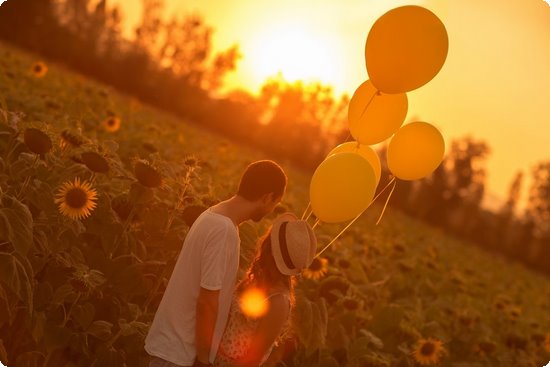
(209, 259)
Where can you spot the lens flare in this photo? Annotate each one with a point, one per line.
(254, 303)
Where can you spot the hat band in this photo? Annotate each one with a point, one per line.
(284, 247)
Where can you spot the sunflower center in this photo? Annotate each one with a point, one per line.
(427, 349)
(76, 198)
(316, 265)
(37, 68)
(111, 122)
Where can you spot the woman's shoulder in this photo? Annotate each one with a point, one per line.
(279, 297)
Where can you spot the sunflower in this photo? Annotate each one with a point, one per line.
(514, 313)
(76, 200)
(111, 124)
(343, 264)
(351, 303)
(499, 305)
(428, 351)
(547, 343)
(85, 280)
(147, 175)
(191, 161)
(68, 139)
(39, 69)
(95, 162)
(38, 141)
(485, 348)
(317, 269)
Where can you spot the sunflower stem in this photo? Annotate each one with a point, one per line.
(114, 339)
(179, 201)
(124, 228)
(27, 179)
(67, 314)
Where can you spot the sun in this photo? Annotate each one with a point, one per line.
(297, 52)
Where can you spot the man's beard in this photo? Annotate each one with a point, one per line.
(257, 215)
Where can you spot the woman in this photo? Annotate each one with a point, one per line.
(285, 250)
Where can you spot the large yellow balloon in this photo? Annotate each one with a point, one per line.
(373, 117)
(406, 47)
(342, 186)
(415, 151)
(365, 151)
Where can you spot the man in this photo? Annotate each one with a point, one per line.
(192, 314)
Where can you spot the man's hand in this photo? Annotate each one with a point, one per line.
(200, 364)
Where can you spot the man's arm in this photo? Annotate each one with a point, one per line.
(207, 313)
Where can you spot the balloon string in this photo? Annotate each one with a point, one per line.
(384, 189)
(354, 219)
(368, 104)
(306, 211)
(386, 204)
(309, 215)
(338, 235)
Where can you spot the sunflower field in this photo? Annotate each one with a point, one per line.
(98, 191)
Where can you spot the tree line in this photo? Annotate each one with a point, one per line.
(171, 64)
(451, 198)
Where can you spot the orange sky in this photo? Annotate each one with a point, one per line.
(493, 86)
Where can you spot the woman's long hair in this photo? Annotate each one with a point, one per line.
(263, 271)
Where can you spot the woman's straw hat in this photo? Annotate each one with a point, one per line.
(293, 244)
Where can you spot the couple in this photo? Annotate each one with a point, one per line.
(199, 321)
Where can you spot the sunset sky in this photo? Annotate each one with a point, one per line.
(493, 86)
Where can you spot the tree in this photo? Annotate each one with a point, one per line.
(184, 47)
(538, 214)
(301, 119)
(538, 204)
(466, 182)
(506, 231)
(29, 23)
(431, 200)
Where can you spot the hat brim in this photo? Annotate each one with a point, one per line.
(277, 255)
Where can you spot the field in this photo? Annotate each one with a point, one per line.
(82, 292)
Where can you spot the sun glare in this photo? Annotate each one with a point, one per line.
(296, 52)
(253, 303)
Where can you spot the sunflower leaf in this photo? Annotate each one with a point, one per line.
(84, 315)
(56, 337)
(13, 274)
(30, 359)
(100, 329)
(304, 320)
(19, 231)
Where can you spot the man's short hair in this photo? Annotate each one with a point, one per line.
(260, 178)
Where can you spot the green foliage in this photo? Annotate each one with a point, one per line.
(84, 292)
(17, 223)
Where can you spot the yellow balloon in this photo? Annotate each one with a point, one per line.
(372, 116)
(415, 151)
(365, 151)
(406, 47)
(342, 186)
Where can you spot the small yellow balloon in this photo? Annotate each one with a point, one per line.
(406, 47)
(342, 186)
(372, 116)
(415, 151)
(365, 151)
